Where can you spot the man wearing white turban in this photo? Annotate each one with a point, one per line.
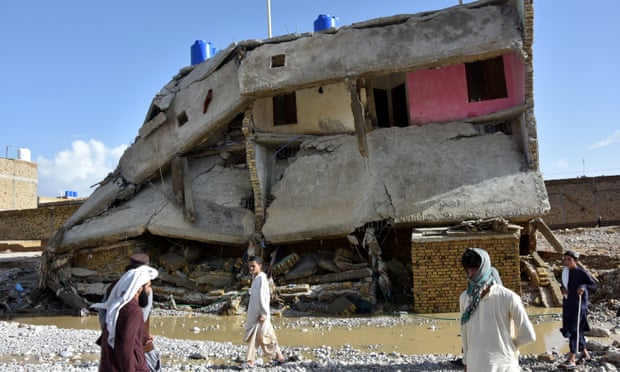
(150, 352)
(124, 323)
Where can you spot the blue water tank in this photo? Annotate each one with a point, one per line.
(324, 22)
(201, 51)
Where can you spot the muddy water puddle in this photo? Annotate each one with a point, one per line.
(402, 333)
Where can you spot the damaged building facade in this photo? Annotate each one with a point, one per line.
(344, 154)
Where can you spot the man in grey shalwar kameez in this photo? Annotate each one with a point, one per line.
(259, 331)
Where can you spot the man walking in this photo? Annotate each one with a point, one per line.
(576, 284)
(151, 354)
(259, 331)
(489, 312)
(123, 332)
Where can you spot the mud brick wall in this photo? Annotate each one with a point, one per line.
(112, 259)
(439, 278)
(18, 184)
(34, 224)
(580, 201)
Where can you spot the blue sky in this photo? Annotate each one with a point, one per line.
(78, 76)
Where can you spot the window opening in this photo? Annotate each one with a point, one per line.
(278, 60)
(286, 152)
(486, 79)
(381, 107)
(248, 203)
(399, 106)
(182, 118)
(285, 109)
(504, 127)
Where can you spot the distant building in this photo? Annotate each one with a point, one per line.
(18, 182)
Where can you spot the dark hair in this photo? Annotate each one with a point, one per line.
(471, 259)
(256, 259)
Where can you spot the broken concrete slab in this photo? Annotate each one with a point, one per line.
(191, 126)
(431, 37)
(437, 172)
(220, 216)
(172, 261)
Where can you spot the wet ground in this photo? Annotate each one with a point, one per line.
(403, 333)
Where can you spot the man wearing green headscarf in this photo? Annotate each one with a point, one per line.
(489, 311)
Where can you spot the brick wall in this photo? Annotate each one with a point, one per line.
(18, 184)
(35, 224)
(112, 259)
(438, 277)
(580, 201)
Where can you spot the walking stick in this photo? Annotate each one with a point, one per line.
(578, 321)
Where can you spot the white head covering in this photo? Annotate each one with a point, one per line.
(123, 292)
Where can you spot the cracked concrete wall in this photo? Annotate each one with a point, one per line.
(147, 156)
(439, 173)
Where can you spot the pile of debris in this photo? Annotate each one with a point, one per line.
(351, 278)
(344, 281)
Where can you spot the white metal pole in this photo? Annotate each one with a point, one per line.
(269, 18)
(578, 321)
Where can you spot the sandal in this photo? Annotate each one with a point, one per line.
(584, 360)
(278, 362)
(569, 364)
(247, 365)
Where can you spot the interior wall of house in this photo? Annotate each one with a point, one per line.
(441, 94)
(320, 110)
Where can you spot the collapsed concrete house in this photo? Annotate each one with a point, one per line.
(349, 150)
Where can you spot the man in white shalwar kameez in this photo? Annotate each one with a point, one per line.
(258, 329)
(494, 323)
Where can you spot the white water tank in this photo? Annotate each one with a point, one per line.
(23, 154)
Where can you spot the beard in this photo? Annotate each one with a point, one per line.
(143, 299)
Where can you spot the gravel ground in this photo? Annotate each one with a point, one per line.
(28, 347)
(37, 348)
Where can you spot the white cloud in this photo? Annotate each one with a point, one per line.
(614, 137)
(562, 164)
(77, 169)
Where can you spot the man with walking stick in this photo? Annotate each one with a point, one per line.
(576, 284)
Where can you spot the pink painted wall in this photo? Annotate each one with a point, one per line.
(440, 95)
